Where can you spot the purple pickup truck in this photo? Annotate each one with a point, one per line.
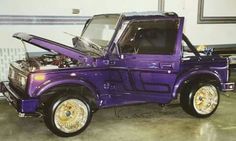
(119, 59)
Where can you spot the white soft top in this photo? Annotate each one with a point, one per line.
(146, 13)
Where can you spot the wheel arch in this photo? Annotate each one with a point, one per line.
(199, 75)
(71, 86)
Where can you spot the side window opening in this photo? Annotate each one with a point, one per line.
(150, 37)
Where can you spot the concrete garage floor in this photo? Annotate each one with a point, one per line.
(148, 122)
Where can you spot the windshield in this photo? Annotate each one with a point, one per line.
(101, 29)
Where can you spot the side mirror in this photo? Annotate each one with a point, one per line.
(77, 43)
(75, 40)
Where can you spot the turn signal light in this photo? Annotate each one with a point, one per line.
(39, 77)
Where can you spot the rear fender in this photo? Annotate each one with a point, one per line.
(184, 77)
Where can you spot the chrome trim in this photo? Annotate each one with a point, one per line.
(228, 62)
(6, 85)
(25, 115)
(225, 85)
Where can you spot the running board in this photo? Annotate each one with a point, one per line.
(25, 115)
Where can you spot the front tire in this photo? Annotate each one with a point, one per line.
(201, 100)
(67, 115)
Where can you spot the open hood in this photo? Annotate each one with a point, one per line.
(53, 46)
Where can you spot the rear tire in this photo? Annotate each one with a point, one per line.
(67, 115)
(200, 100)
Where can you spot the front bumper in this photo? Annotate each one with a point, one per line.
(228, 86)
(22, 105)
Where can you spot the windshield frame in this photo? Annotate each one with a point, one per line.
(115, 28)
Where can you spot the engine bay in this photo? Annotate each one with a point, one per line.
(48, 61)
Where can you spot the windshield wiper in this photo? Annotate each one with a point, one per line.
(86, 45)
(80, 44)
(93, 45)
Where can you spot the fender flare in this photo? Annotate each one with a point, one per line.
(46, 86)
(182, 78)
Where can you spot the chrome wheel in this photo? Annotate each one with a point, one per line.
(206, 99)
(71, 115)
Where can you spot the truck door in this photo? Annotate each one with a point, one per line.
(150, 55)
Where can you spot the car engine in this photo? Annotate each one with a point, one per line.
(48, 61)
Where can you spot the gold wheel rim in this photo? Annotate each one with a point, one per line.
(71, 115)
(206, 99)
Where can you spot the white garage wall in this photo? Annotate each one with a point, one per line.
(61, 8)
(205, 34)
(54, 32)
(220, 7)
(199, 33)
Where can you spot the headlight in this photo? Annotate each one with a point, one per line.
(17, 78)
(23, 81)
(11, 73)
(32, 69)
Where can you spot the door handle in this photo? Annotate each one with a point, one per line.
(166, 66)
(127, 57)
